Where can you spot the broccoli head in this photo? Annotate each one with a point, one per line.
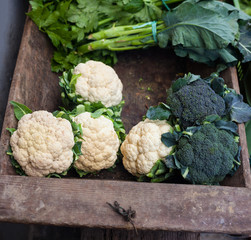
(193, 102)
(208, 154)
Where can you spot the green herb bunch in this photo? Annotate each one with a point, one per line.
(210, 32)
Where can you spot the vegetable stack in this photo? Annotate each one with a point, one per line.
(85, 136)
(202, 115)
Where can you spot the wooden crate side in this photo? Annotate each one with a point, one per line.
(79, 202)
(43, 91)
(242, 177)
(33, 84)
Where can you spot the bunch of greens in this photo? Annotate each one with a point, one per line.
(207, 31)
(206, 144)
(68, 22)
(19, 111)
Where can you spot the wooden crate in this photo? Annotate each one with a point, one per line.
(82, 202)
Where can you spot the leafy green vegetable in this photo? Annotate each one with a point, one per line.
(20, 109)
(244, 44)
(15, 164)
(239, 111)
(207, 31)
(158, 173)
(11, 130)
(161, 112)
(67, 23)
(207, 154)
(181, 82)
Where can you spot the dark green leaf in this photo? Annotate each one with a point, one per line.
(217, 84)
(169, 139)
(181, 82)
(212, 57)
(134, 6)
(229, 126)
(244, 44)
(20, 109)
(209, 29)
(239, 111)
(160, 112)
(77, 148)
(212, 118)
(170, 163)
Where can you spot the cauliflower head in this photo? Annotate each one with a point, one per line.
(98, 82)
(143, 147)
(100, 143)
(42, 144)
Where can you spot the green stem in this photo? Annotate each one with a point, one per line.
(121, 42)
(237, 4)
(124, 31)
(105, 21)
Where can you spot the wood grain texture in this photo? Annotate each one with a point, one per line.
(79, 202)
(33, 84)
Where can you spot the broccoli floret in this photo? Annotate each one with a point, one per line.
(193, 102)
(208, 154)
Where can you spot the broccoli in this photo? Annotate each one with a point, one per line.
(194, 101)
(206, 156)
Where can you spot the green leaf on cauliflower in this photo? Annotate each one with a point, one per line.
(11, 130)
(161, 112)
(20, 109)
(18, 169)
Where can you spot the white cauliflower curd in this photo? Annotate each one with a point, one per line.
(100, 143)
(98, 82)
(42, 144)
(142, 147)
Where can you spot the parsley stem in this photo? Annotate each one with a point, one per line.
(104, 21)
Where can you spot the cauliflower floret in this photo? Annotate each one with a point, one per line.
(100, 144)
(142, 147)
(42, 144)
(98, 82)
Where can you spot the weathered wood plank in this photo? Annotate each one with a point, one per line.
(79, 202)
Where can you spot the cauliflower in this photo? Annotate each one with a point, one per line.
(42, 144)
(142, 147)
(100, 144)
(98, 82)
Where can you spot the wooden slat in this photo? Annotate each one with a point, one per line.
(79, 202)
